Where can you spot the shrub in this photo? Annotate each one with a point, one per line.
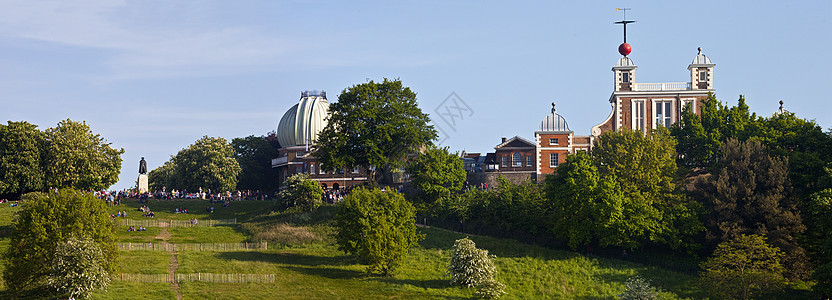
(77, 268)
(302, 192)
(742, 266)
(378, 227)
(46, 221)
(638, 288)
(472, 267)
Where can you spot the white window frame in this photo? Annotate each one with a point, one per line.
(625, 77)
(554, 141)
(516, 160)
(691, 101)
(703, 78)
(655, 115)
(311, 168)
(529, 161)
(504, 161)
(639, 119)
(554, 160)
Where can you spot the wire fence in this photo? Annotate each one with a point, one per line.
(168, 247)
(205, 277)
(175, 223)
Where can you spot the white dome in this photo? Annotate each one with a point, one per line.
(701, 59)
(554, 122)
(301, 124)
(625, 62)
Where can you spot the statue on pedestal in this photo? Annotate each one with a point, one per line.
(142, 166)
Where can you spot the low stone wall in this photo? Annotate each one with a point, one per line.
(475, 179)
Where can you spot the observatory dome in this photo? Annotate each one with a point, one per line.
(301, 124)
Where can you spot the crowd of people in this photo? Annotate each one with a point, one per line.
(208, 194)
(333, 196)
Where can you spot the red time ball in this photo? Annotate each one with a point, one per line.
(625, 49)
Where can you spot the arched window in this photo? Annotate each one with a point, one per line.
(516, 160)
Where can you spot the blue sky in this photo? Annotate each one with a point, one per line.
(154, 76)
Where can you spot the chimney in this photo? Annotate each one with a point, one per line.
(504, 139)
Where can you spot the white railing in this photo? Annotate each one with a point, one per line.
(175, 223)
(668, 86)
(167, 247)
(204, 277)
(280, 161)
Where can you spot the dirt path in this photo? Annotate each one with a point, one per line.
(164, 235)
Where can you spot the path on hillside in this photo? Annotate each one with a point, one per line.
(164, 235)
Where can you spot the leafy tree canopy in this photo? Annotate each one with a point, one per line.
(379, 227)
(21, 158)
(643, 166)
(47, 220)
(302, 192)
(373, 124)
(748, 195)
(437, 174)
(208, 163)
(741, 267)
(254, 154)
(79, 159)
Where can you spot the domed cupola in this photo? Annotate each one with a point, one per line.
(301, 124)
(701, 72)
(554, 122)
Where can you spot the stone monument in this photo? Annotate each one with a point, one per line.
(143, 176)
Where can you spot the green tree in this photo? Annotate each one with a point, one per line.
(808, 148)
(162, 177)
(585, 207)
(254, 154)
(378, 227)
(21, 158)
(302, 192)
(79, 159)
(643, 165)
(45, 221)
(437, 174)
(373, 125)
(747, 194)
(692, 148)
(78, 268)
(208, 163)
(742, 267)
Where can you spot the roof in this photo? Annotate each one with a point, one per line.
(701, 60)
(516, 142)
(554, 122)
(625, 62)
(301, 124)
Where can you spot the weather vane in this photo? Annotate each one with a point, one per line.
(625, 48)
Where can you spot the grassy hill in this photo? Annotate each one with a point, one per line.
(307, 265)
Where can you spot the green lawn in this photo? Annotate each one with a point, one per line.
(315, 269)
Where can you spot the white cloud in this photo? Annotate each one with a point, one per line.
(166, 44)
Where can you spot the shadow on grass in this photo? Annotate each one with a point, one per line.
(426, 284)
(5, 231)
(291, 258)
(327, 272)
(437, 238)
